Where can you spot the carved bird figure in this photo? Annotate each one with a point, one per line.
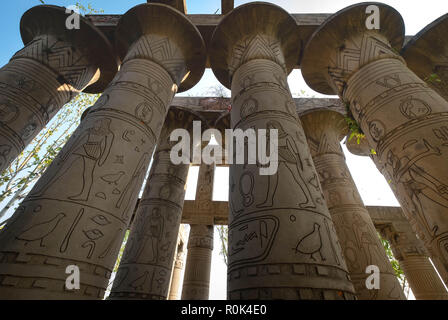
(311, 243)
(41, 230)
(113, 178)
(138, 283)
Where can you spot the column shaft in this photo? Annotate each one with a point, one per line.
(410, 150)
(357, 234)
(413, 258)
(422, 278)
(363, 149)
(199, 259)
(282, 241)
(145, 269)
(200, 242)
(78, 212)
(85, 199)
(178, 267)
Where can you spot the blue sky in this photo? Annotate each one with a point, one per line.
(12, 11)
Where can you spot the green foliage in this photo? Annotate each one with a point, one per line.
(89, 10)
(82, 9)
(223, 232)
(120, 254)
(433, 78)
(395, 265)
(27, 168)
(353, 126)
(355, 130)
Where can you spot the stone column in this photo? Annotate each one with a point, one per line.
(145, 269)
(282, 240)
(199, 260)
(53, 67)
(426, 54)
(363, 149)
(359, 239)
(402, 117)
(200, 241)
(78, 211)
(411, 254)
(179, 263)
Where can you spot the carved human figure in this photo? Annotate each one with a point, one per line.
(289, 159)
(90, 149)
(96, 216)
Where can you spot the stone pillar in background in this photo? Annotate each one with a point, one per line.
(363, 149)
(359, 239)
(282, 240)
(200, 242)
(410, 253)
(145, 269)
(199, 260)
(403, 118)
(77, 213)
(179, 263)
(53, 67)
(422, 278)
(426, 54)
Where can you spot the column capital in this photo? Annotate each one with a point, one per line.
(44, 20)
(201, 236)
(403, 240)
(343, 44)
(320, 124)
(254, 31)
(426, 54)
(177, 118)
(362, 149)
(166, 36)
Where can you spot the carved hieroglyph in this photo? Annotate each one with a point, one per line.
(410, 253)
(282, 241)
(357, 234)
(403, 118)
(145, 269)
(53, 67)
(78, 211)
(198, 265)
